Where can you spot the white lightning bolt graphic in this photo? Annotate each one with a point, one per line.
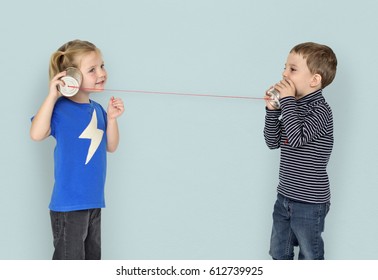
(94, 134)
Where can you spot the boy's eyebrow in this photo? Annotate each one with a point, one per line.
(290, 64)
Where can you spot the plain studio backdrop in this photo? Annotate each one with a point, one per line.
(192, 177)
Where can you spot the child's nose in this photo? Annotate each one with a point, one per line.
(284, 73)
(102, 73)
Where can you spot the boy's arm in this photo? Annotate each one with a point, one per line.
(41, 123)
(272, 129)
(115, 109)
(301, 131)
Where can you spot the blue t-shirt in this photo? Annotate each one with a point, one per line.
(79, 155)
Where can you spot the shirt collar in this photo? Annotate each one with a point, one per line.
(312, 97)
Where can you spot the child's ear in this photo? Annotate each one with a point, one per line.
(316, 81)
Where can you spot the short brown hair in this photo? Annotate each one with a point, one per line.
(320, 60)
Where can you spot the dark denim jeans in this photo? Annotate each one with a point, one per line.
(297, 224)
(77, 234)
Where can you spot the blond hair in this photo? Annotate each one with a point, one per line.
(320, 60)
(69, 55)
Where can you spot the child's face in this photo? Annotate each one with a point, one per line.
(94, 73)
(297, 71)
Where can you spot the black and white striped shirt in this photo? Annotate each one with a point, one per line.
(303, 129)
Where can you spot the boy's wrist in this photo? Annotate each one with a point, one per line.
(284, 100)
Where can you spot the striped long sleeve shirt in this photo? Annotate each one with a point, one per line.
(303, 130)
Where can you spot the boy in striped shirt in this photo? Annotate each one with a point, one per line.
(303, 129)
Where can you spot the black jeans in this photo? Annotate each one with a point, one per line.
(77, 234)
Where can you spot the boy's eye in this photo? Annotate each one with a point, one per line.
(91, 70)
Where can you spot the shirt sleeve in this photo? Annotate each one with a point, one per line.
(272, 129)
(301, 130)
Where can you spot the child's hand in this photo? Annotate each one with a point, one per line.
(115, 108)
(286, 88)
(55, 82)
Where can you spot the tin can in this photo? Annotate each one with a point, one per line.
(274, 98)
(72, 82)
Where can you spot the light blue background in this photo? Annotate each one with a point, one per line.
(192, 178)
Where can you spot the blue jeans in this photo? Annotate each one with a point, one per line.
(297, 224)
(77, 234)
